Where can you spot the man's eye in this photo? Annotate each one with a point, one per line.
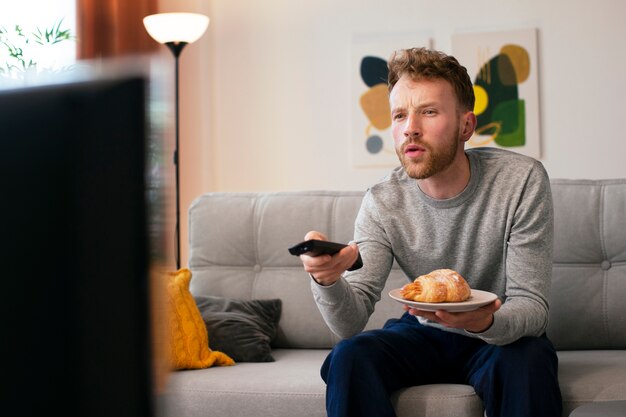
(398, 116)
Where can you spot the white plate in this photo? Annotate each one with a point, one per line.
(477, 299)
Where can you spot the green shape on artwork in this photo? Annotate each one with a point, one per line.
(491, 80)
(512, 114)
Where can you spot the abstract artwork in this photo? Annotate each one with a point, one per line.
(371, 141)
(503, 68)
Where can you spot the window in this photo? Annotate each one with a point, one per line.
(37, 36)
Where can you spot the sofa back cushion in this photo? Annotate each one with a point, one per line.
(239, 242)
(588, 299)
(238, 249)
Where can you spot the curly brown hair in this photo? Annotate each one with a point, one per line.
(422, 63)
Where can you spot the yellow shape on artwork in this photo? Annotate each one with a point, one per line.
(375, 105)
(482, 100)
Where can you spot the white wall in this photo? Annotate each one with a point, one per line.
(280, 84)
(265, 94)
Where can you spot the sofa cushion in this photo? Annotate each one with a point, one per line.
(292, 386)
(243, 329)
(591, 375)
(239, 249)
(589, 273)
(601, 408)
(441, 400)
(189, 347)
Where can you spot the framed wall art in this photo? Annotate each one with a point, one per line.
(504, 70)
(371, 140)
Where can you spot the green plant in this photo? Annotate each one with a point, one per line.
(21, 52)
(52, 36)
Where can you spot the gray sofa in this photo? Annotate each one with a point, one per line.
(238, 249)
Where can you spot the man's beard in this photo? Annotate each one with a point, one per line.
(432, 162)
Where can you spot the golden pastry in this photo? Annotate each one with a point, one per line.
(439, 286)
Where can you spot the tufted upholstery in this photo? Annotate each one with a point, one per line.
(240, 250)
(589, 283)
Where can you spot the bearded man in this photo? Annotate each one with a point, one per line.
(485, 213)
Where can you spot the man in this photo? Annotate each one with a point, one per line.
(486, 213)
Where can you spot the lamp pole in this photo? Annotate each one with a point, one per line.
(177, 48)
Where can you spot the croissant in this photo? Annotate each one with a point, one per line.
(439, 286)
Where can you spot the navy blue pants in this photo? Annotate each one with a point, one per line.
(361, 373)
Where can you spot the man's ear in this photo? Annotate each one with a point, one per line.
(468, 125)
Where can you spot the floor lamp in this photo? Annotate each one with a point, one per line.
(176, 30)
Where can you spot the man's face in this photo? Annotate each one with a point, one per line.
(426, 125)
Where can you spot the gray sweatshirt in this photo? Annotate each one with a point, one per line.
(497, 233)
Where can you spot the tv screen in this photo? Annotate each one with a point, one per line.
(75, 286)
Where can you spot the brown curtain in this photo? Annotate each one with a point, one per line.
(113, 28)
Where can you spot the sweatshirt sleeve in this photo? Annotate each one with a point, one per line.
(347, 304)
(528, 265)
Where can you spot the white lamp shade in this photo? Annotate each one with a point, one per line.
(176, 27)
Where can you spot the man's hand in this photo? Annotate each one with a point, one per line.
(476, 321)
(327, 269)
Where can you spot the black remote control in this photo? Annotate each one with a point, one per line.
(315, 247)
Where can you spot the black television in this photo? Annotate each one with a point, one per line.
(76, 253)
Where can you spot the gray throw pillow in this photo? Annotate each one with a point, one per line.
(243, 329)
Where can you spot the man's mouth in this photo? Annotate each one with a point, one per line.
(413, 150)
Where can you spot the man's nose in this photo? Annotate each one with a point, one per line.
(412, 127)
